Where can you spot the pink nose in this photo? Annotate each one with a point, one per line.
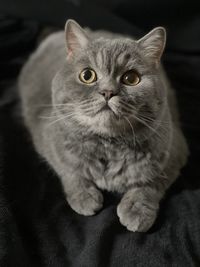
(107, 94)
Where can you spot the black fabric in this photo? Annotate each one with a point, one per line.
(37, 227)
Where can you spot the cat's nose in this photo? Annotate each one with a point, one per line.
(107, 94)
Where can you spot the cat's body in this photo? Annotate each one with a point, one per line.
(93, 151)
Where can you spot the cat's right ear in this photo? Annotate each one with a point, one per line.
(76, 38)
(153, 44)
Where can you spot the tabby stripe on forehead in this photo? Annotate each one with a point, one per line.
(105, 56)
(119, 60)
(126, 57)
(105, 59)
(109, 62)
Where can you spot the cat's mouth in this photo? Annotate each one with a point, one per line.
(108, 111)
(105, 107)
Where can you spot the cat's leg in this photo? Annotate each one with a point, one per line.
(139, 205)
(82, 195)
(138, 208)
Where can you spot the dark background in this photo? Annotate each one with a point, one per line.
(37, 227)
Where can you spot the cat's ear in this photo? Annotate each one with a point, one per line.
(76, 37)
(153, 44)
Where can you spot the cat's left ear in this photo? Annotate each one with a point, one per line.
(76, 37)
(153, 44)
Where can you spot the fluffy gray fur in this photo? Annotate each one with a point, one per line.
(134, 147)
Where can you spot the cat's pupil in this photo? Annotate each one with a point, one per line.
(87, 75)
(130, 77)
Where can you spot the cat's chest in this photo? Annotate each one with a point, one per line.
(103, 157)
(113, 167)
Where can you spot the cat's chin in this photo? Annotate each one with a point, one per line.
(107, 116)
(104, 122)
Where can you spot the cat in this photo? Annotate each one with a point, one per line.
(102, 113)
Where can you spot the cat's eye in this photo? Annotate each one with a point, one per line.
(130, 78)
(88, 76)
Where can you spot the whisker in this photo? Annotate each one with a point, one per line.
(92, 108)
(60, 118)
(83, 102)
(128, 105)
(134, 139)
(53, 116)
(132, 128)
(152, 120)
(48, 117)
(144, 117)
(52, 105)
(144, 120)
(148, 126)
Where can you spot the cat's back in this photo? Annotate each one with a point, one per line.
(37, 74)
(45, 61)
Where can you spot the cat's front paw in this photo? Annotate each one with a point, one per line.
(86, 201)
(137, 216)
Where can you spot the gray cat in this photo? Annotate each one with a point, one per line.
(101, 112)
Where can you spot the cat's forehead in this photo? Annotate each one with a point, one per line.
(114, 54)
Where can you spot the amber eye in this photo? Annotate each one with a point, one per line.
(130, 78)
(88, 76)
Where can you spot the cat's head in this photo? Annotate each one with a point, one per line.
(110, 84)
